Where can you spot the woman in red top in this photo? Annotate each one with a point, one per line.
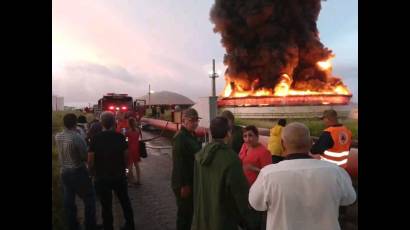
(254, 155)
(133, 135)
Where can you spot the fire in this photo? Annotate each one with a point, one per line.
(261, 63)
(241, 94)
(282, 88)
(342, 90)
(228, 90)
(324, 65)
(263, 92)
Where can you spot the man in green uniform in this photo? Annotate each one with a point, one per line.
(220, 187)
(237, 132)
(184, 146)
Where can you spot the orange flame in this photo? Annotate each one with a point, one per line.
(282, 88)
(325, 65)
(228, 90)
(263, 92)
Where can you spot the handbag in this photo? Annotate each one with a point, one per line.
(143, 149)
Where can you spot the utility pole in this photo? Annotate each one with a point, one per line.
(213, 107)
(213, 76)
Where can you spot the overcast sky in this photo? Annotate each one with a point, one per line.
(121, 46)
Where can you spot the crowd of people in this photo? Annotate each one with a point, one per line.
(98, 158)
(235, 181)
(232, 181)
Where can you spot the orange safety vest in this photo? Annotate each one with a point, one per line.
(342, 139)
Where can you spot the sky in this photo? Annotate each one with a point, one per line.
(122, 46)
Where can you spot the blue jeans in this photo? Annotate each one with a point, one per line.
(78, 182)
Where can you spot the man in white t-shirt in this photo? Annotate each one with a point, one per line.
(301, 192)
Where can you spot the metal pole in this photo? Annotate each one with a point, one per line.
(213, 99)
(149, 94)
(213, 76)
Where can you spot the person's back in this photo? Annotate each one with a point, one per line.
(236, 140)
(306, 194)
(274, 145)
(300, 192)
(274, 142)
(109, 147)
(133, 139)
(133, 135)
(108, 156)
(75, 178)
(95, 127)
(69, 153)
(215, 167)
(220, 188)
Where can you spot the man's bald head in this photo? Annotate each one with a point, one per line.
(296, 138)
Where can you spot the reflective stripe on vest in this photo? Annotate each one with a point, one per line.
(339, 152)
(335, 154)
(342, 162)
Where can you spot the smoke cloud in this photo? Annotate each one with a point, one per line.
(265, 39)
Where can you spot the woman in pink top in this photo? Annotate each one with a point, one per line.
(254, 155)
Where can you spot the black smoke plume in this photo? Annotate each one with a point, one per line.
(265, 39)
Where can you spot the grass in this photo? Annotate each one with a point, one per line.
(315, 126)
(58, 219)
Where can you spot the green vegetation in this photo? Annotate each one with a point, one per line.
(58, 219)
(315, 126)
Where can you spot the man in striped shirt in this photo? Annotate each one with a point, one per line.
(75, 178)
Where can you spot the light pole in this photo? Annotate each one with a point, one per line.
(213, 108)
(213, 76)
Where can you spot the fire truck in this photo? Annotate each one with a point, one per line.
(115, 103)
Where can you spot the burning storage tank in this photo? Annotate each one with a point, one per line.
(274, 56)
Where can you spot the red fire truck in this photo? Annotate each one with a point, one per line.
(115, 103)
